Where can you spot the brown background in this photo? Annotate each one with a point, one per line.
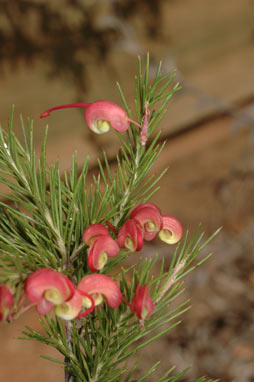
(65, 51)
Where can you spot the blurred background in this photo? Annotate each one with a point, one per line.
(64, 51)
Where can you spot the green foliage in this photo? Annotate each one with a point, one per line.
(42, 220)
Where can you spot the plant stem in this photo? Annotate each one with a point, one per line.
(172, 279)
(68, 327)
(130, 186)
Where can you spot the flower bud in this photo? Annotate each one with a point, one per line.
(130, 236)
(6, 302)
(48, 288)
(171, 231)
(141, 304)
(102, 248)
(148, 217)
(98, 284)
(93, 231)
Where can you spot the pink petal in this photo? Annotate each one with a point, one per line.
(145, 205)
(102, 248)
(130, 236)
(171, 231)
(46, 279)
(93, 231)
(44, 306)
(102, 284)
(149, 219)
(108, 112)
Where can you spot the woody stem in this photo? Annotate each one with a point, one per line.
(68, 326)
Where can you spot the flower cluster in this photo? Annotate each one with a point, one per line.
(144, 223)
(50, 290)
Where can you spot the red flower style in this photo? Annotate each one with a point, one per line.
(171, 231)
(100, 116)
(102, 248)
(48, 288)
(130, 236)
(98, 286)
(148, 217)
(6, 302)
(141, 304)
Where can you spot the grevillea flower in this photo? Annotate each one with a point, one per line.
(100, 116)
(148, 217)
(102, 248)
(6, 302)
(130, 236)
(98, 285)
(171, 231)
(141, 304)
(48, 288)
(93, 231)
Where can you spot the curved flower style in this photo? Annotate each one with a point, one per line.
(93, 231)
(148, 217)
(100, 116)
(98, 285)
(102, 248)
(171, 231)
(141, 304)
(87, 302)
(130, 236)
(6, 302)
(48, 288)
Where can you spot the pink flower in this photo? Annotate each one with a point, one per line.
(48, 288)
(130, 236)
(171, 231)
(93, 231)
(141, 304)
(6, 302)
(148, 217)
(102, 248)
(100, 116)
(99, 285)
